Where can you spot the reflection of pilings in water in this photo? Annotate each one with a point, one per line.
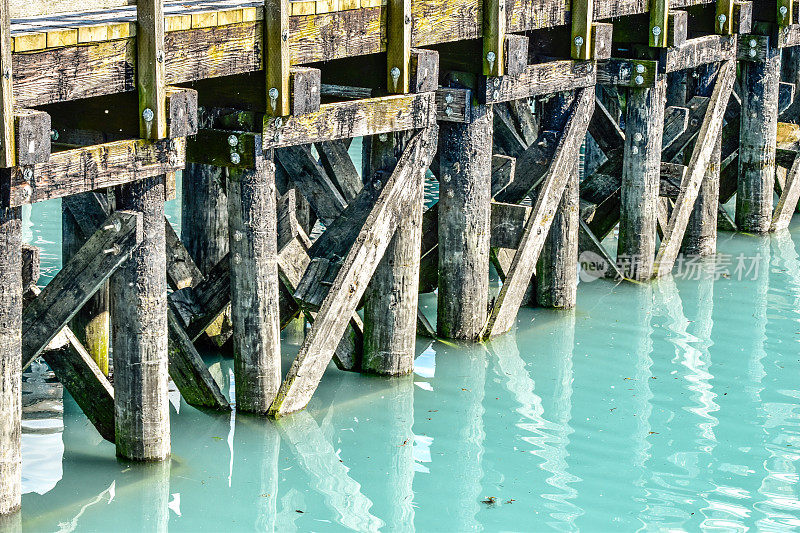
(397, 449)
(691, 443)
(756, 353)
(328, 474)
(265, 519)
(550, 430)
(778, 489)
(641, 304)
(465, 369)
(148, 502)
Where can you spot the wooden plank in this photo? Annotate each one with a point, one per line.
(95, 167)
(540, 79)
(182, 271)
(628, 73)
(398, 46)
(511, 294)
(78, 280)
(787, 204)
(724, 17)
(312, 181)
(711, 129)
(7, 147)
(278, 61)
(350, 283)
(363, 117)
(150, 75)
(335, 159)
(700, 51)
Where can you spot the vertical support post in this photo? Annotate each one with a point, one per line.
(556, 271)
(641, 175)
(785, 13)
(757, 138)
(92, 323)
(464, 225)
(398, 46)
(701, 232)
(494, 35)
(276, 57)
(10, 357)
(139, 331)
(790, 67)
(252, 222)
(676, 88)
(150, 69)
(204, 215)
(7, 144)
(582, 20)
(390, 302)
(659, 17)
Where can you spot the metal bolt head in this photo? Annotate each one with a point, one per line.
(53, 135)
(273, 93)
(578, 41)
(656, 30)
(27, 174)
(722, 18)
(637, 137)
(395, 73)
(148, 115)
(235, 158)
(639, 80)
(640, 68)
(783, 10)
(491, 57)
(7, 73)
(496, 83)
(753, 43)
(496, 95)
(383, 137)
(160, 56)
(752, 53)
(448, 111)
(448, 98)
(285, 35)
(233, 140)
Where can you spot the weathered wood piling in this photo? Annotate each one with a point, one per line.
(258, 106)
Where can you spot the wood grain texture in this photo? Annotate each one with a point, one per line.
(7, 138)
(504, 312)
(277, 56)
(787, 204)
(351, 281)
(254, 286)
(204, 214)
(104, 252)
(697, 168)
(463, 225)
(86, 169)
(640, 181)
(10, 356)
(759, 118)
(390, 301)
(140, 331)
(150, 73)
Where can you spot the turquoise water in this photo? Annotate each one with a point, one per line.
(666, 406)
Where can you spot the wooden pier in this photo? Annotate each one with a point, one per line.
(676, 106)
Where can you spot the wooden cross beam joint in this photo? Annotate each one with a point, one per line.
(225, 148)
(538, 80)
(755, 48)
(628, 73)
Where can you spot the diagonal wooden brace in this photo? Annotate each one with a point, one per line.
(512, 293)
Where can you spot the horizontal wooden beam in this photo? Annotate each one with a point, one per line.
(344, 120)
(540, 79)
(93, 167)
(700, 51)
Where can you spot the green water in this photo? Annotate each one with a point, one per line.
(667, 406)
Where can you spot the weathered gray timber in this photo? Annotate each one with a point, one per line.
(139, 331)
(556, 270)
(336, 161)
(464, 213)
(204, 214)
(390, 301)
(512, 293)
(788, 199)
(697, 169)
(640, 180)
(352, 275)
(105, 252)
(701, 231)
(181, 268)
(790, 65)
(81, 377)
(254, 285)
(758, 135)
(312, 181)
(92, 323)
(10, 355)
